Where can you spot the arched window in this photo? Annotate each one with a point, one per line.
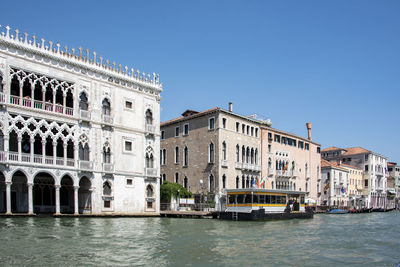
(247, 154)
(248, 182)
(256, 156)
(243, 182)
(106, 153)
(223, 181)
(149, 117)
(106, 107)
(15, 86)
(211, 180)
(176, 155)
(237, 181)
(185, 156)
(252, 156)
(106, 188)
(243, 154)
(149, 191)
(149, 160)
(83, 101)
(269, 163)
(237, 153)
(185, 183)
(176, 178)
(211, 153)
(294, 186)
(224, 150)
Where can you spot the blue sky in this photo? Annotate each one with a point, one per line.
(333, 63)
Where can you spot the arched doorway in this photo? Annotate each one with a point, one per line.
(19, 193)
(67, 195)
(43, 193)
(85, 196)
(2, 193)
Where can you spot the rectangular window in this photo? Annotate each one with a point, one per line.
(270, 136)
(150, 204)
(248, 129)
(186, 129)
(243, 128)
(176, 131)
(269, 148)
(301, 144)
(307, 146)
(252, 131)
(256, 132)
(366, 157)
(162, 135)
(107, 204)
(128, 146)
(318, 150)
(164, 156)
(277, 138)
(366, 168)
(211, 123)
(129, 181)
(224, 123)
(366, 183)
(237, 127)
(128, 104)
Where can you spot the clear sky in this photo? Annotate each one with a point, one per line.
(333, 63)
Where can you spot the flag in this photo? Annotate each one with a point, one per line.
(252, 183)
(257, 183)
(327, 186)
(262, 183)
(342, 190)
(285, 166)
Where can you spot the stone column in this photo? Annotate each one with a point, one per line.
(76, 204)
(65, 154)
(76, 155)
(54, 152)
(44, 151)
(57, 187)
(64, 103)
(30, 198)
(19, 148)
(8, 197)
(32, 143)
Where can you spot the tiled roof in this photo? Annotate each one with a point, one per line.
(330, 149)
(355, 150)
(331, 164)
(188, 117)
(350, 166)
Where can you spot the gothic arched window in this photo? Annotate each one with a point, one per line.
(83, 101)
(149, 117)
(106, 107)
(106, 188)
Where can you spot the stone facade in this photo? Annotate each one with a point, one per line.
(335, 181)
(78, 134)
(291, 162)
(374, 168)
(355, 187)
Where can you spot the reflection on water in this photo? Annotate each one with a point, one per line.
(327, 240)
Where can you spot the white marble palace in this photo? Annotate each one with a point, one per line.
(78, 134)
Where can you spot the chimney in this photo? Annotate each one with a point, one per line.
(308, 124)
(230, 107)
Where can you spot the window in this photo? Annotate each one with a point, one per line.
(162, 135)
(301, 144)
(150, 204)
(164, 156)
(107, 204)
(366, 168)
(211, 123)
(237, 127)
(318, 150)
(366, 183)
(247, 129)
(243, 154)
(186, 129)
(149, 191)
(224, 150)
(176, 131)
(277, 138)
(211, 153)
(83, 101)
(128, 146)
(176, 155)
(237, 181)
(185, 183)
(366, 157)
(224, 123)
(176, 178)
(129, 182)
(106, 189)
(252, 131)
(307, 146)
(106, 107)
(211, 185)
(243, 128)
(269, 148)
(106, 153)
(256, 132)
(128, 104)
(149, 117)
(224, 181)
(185, 156)
(237, 153)
(149, 160)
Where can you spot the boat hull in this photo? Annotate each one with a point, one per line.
(260, 215)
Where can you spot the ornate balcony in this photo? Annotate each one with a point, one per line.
(238, 165)
(85, 165)
(108, 167)
(151, 172)
(150, 129)
(48, 161)
(2, 98)
(37, 104)
(270, 171)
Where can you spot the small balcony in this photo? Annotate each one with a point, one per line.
(224, 163)
(85, 165)
(2, 98)
(108, 167)
(238, 165)
(150, 129)
(107, 119)
(151, 172)
(37, 104)
(85, 115)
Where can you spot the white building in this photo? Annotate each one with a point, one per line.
(78, 134)
(374, 167)
(334, 184)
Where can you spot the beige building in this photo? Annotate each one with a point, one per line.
(209, 151)
(291, 162)
(355, 187)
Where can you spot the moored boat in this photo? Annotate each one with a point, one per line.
(265, 204)
(337, 211)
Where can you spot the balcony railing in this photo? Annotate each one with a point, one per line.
(150, 172)
(107, 119)
(150, 129)
(85, 115)
(3, 156)
(108, 167)
(85, 165)
(36, 159)
(2, 98)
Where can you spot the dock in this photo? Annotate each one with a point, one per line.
(189, 214)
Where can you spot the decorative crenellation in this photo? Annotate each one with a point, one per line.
(81, 56)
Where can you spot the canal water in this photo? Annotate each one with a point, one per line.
(327, 240)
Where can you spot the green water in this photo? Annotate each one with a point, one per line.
(327, 240)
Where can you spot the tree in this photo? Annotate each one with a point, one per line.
(172, 190)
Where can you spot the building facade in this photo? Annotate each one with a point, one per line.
(374, 172)
(355, 186)
(291, 162)
(335, 182)
(78, 135)
(394, 183)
